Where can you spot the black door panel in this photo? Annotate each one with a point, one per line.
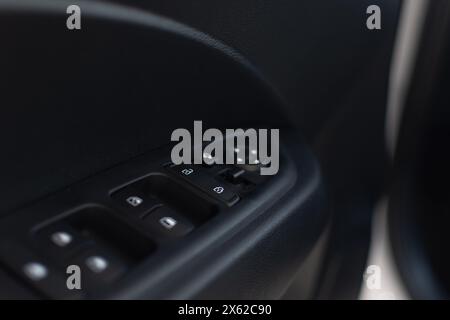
(87, 116)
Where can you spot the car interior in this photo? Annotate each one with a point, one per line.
(88, 180)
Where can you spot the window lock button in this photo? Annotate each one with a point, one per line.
(196, 176)
(219, 191)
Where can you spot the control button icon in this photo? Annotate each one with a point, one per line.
(168, 222)
(97, 264)
(61, 239)
(187, 172)
(134, 201)
(35, 271)
(218, 189)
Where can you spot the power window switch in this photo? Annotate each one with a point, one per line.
(234, 175)
(99, 268)
(135, 201)
(61, 238)
(97, 264)
(167, 223)
(38, 272)
(60, 241)
(35, 271)
(242, 179)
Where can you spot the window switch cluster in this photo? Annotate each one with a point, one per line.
(158, 218)
(37, 271)
(52, 249)
(117, 228)
(97, 268)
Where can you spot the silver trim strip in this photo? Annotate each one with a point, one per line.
(406, 46)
